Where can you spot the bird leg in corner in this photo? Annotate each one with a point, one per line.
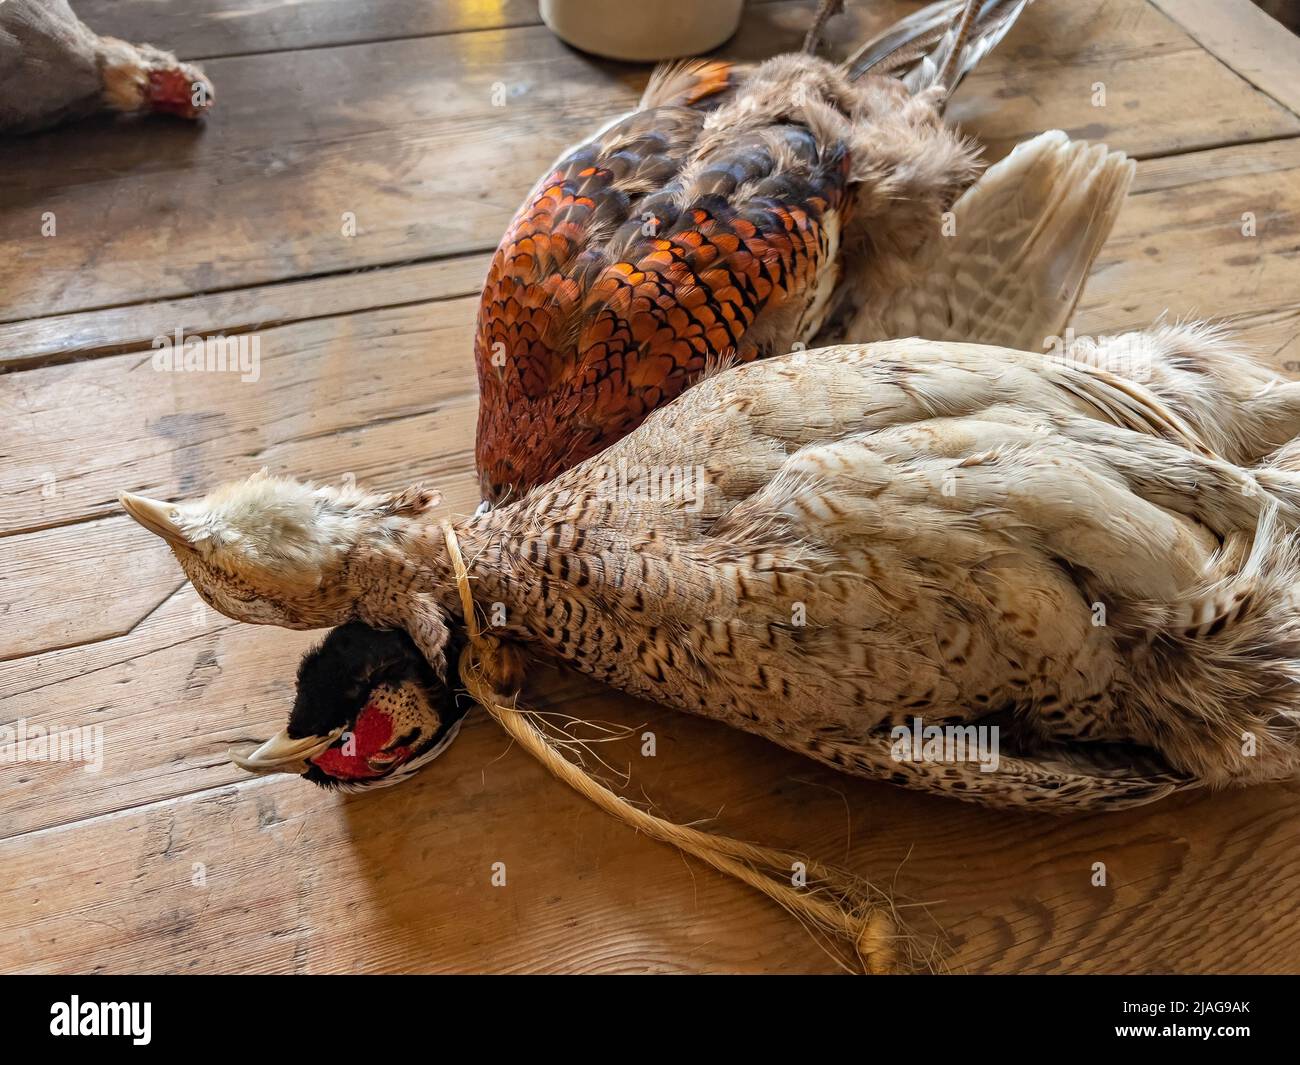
(826, 10)
(144, 78)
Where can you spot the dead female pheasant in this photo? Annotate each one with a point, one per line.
(859, 538)
(53, 67)
(739, 212)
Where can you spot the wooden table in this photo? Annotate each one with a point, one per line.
(171, 858)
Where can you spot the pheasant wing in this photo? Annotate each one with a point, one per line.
(1020, 244)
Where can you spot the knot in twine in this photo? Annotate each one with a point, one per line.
(833, 905)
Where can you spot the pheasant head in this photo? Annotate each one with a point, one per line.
(369, 712)
(275, 551)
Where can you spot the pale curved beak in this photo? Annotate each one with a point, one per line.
(155, 516)
(280, 754)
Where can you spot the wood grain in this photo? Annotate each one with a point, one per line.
(172, 694)
(88, 334)
(1245, 39)
(236, 229)
(300, 880)
(322, 385)
(244, 27)
(1180, 244)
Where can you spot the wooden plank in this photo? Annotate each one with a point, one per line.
(1180, 247)
(96, 580)
(245, 27)
(1243, 161)
(320, 386)
(300, 880)
(88, 600)
(402, 135)
(63, 338)
(1142, 114)
(171, 695)
(405, 136)
(1245, 39)
(1273, 338)
(387, 396)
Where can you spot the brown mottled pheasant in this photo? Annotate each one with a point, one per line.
(53, 67)
(740, 212)
(857, 537)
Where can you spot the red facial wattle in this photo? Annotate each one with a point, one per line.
(172, 92)
(364, 757)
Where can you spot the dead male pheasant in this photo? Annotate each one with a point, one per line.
(53, 68)
(741, 211)
(870, 534)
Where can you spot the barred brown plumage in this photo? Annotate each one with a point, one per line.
(874, 534)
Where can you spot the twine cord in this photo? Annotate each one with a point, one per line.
(840, 907)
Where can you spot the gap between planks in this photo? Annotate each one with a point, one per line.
(1246, 40)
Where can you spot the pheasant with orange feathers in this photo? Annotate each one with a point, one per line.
(741, 211)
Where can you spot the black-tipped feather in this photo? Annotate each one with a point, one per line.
(929, 48)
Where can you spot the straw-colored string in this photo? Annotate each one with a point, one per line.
(837, 906)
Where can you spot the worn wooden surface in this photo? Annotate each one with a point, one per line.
(169, 858)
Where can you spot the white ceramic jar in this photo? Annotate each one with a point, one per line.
(643, 30)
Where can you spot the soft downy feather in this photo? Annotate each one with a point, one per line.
(1017, 250)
